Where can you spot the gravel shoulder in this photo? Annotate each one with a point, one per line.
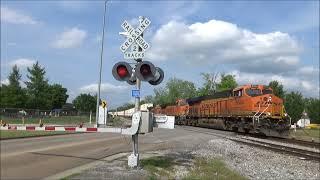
(250, 162)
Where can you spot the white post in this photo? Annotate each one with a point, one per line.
(104, 117)
(90, 117)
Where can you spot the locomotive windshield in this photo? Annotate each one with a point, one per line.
(266, 91)
(253, 92)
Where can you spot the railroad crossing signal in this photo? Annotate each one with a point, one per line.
(104, 104)
(145, 71)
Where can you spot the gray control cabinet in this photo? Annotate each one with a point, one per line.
(146, 124)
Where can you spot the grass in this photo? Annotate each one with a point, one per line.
(306, 134)
(158, 166)
(212, 169)
(70, 176)
(18, 134)
(116, 121)
(161, 167)
(51, 120)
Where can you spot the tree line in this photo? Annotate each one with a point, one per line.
(35, 93)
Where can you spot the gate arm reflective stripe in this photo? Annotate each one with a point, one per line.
(58, 128)
(136, 117)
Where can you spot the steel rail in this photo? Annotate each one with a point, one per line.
(310, 155)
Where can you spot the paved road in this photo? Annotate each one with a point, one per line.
(36, 158)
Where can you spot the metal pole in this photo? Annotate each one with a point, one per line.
(137, 106)
(100, 65)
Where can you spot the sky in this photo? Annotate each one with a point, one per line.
(256, 41)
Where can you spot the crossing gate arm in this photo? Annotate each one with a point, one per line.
(127, 131)
(62, 129)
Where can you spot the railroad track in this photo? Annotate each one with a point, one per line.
(292, 149)
(310, 144)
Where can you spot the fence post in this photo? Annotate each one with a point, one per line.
(90, 116)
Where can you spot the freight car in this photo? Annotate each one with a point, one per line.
(248, 108)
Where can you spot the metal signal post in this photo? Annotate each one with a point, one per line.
(137, 105)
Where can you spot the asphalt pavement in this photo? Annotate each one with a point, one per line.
(40, 157)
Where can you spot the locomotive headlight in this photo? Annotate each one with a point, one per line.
(285, 114)
(268, 113)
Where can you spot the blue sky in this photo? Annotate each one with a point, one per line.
(256, 41)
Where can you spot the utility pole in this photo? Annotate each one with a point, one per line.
(100, 65)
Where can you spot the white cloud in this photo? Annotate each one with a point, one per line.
(290, 83)
(22, 62)
(308, 71)
(14, 17)
(105, 88)
(134, 22)
(4, 81)
(71, 38)
(256, 58)
(222, 42)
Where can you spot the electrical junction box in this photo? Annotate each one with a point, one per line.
(146, 124)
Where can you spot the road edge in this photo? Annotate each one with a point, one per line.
(81, 168)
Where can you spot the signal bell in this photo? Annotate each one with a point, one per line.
(122, 71)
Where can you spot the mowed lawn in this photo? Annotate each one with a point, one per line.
(63, 120)
(18, 134)
(306, 134)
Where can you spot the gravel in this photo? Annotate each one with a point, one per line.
(251, 162)
(257, 163)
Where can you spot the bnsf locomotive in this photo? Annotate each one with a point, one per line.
(248, 108)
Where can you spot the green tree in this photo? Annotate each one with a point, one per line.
(58, 96)
(227, 82)
(85, 102)
(161, 96)
(277, 89)
(174, 89)
(37, 88)
(312, 107)
(294, 105)
(209, 85)
(148, 99)
(13, 95)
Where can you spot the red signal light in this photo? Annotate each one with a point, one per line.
(122, 71)
(145, 70)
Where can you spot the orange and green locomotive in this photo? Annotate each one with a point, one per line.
(247, 108)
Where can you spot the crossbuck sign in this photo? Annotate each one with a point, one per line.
(134, 37)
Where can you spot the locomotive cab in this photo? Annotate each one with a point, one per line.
(265, 103)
